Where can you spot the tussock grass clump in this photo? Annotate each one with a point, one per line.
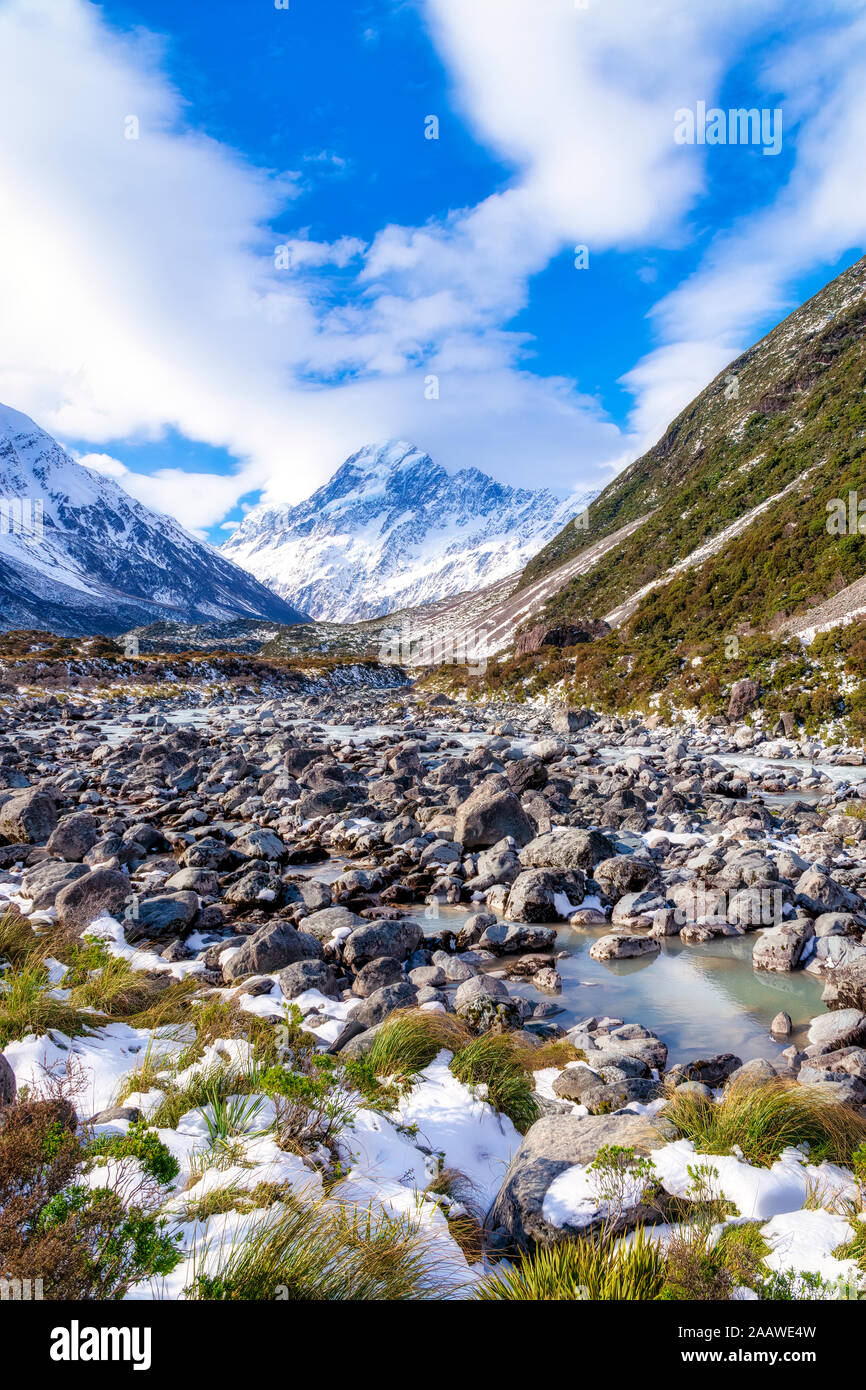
(581, 1269)
(766, 1119)
(28, 1005)
(491, 1060)
(233, 1198)
(113, 989)
(700, 1269)
(321, 1254)
(19, 943)
(209, 1086)
(409, 1041)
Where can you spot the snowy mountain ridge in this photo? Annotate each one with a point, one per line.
(392, 529)
(78, 554)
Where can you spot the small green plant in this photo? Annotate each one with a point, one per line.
(310, 1109)
(220, 1080)
(86, 1242)
(140, 1143)
(229, 1118)
(795, 1286)
(621, 1179)
(124, 1245)
(82, 958)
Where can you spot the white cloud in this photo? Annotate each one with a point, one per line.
(747, 276)
(139, 293)
(102, 463)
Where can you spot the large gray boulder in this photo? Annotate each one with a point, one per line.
(744, 693)
(550, 1147)
(604, 1091)
(327, 920)
(504, 940)
(164, 913)
(74, 836)
(261, 844)
(633, 1040)
(382, 1002)
(101, 892)
(480, 985)
(569, 719)
(297, 978)
(28, 817)
(545, 895)
(205, 882)
(780, 949)
(384, 970)
(818, 893)
(42, 883)
(272, 947)
(843, 1028)
(623, 945)
(382, 938)
(567, 849)
(490, 813)
(624, 873)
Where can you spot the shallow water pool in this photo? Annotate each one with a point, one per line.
(699, 999)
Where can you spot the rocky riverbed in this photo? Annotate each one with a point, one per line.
(361, 854)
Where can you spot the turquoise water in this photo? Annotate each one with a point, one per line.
(699, 999)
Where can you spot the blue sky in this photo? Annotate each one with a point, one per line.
(146, 324)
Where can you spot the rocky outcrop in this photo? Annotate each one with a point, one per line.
(567, 635)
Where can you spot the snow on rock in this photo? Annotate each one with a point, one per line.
(757, 1193)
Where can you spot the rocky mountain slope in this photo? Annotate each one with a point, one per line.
(740, 484)
(721, 553)
(78, 554)
(392, 529)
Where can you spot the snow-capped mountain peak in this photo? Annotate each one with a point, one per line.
(392, 529)
(78, 554)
